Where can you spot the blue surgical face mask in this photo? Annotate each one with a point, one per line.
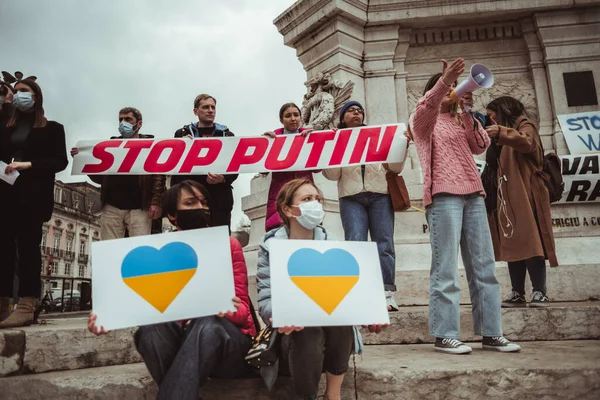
(126, 129)
(23, 101)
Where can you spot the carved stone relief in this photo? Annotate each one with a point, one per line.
(324, 100)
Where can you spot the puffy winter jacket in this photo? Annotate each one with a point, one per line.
(242, 318)
(278, 179)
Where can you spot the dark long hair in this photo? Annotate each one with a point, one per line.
(285, 107)
(454, 107)
(508, 110)
(38, 107)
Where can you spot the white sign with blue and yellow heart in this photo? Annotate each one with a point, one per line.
(326, 283)
(158, 278)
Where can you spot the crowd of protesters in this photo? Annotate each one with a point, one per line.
(511, 225)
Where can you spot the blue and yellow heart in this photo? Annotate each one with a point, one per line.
(158, 276)
(324, 277)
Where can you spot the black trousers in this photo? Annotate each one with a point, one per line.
(317, 349)
(221, 218)
(537, 273)
(21, 235)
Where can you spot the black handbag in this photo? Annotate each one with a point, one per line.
(265, 348)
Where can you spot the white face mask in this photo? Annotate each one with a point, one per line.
(311, 214)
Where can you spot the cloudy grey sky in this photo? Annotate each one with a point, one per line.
(94, 57)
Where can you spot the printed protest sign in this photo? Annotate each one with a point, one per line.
(581, 132)
(326, 283)
(581, 175)
(232, 155)
(159, 278)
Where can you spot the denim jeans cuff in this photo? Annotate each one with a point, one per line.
(490, 335)
(390, 287)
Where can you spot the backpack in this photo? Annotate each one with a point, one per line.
(554, 182)
(551, 173)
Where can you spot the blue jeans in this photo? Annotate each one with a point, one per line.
(461, 221)
(180, 360)
(372, 212)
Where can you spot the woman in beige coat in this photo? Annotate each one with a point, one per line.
(365, 205)
(520, 222)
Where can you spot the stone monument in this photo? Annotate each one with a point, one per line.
(387, 50)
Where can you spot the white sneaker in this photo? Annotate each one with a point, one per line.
(390, 300)
(452, 346)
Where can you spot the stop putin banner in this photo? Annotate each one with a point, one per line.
(232, 155)
(159, 278)
(326, 283)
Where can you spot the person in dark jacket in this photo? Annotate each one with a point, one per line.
(182, 356)
(129, 202)
(291, 118)
(35, 148)
(6, 98)
(218, 186)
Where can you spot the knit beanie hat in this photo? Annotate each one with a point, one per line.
(347, 106)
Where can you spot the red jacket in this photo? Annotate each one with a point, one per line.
(278, 179)
(242, 318)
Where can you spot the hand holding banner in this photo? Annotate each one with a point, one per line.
(232, 155)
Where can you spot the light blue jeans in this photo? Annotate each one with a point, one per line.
(371, 212)
(460, 221)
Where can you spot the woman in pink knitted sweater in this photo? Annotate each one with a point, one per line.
(454, 198)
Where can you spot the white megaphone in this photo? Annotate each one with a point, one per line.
(479, 77)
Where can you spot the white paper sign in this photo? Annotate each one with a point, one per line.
(326, 283)
(9, 178)
(233, 155)
(158, 278)
(581, 131)
(581, 175)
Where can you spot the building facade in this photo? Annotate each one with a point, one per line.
(67, 238)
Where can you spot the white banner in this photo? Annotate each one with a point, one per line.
(232, 155)
(326, 283)
(582, 132)
(581, 175)
(160, 278)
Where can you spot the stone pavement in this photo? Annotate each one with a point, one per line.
(543, 370)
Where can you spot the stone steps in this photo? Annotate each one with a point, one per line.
(65, 344)
(543, 370)
(560, 321)
(565, 283)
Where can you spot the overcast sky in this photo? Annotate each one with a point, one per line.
(94, 57)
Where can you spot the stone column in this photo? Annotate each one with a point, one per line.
(540, 83)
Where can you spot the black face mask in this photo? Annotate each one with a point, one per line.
(193, 219)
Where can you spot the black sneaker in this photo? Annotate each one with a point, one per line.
(452, 346)
(499, 343)
(539, 299)
(515, 299)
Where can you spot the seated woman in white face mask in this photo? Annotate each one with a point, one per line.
(312, 350)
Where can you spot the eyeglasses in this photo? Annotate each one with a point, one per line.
(355, 110)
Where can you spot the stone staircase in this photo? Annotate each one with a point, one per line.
(561, 349)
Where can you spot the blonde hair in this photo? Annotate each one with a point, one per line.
(285, 197)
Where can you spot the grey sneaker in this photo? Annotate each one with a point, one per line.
(452, 346)
(500, 343)
(390, 300)
(514, 299)
(539, 299)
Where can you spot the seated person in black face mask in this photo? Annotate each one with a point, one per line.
(181, 357)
